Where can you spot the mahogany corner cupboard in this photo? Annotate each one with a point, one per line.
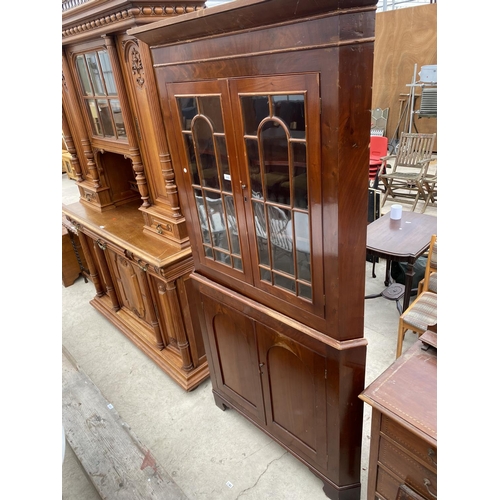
(266, 106)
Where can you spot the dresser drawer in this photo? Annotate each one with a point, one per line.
(389, 488)
(409, 441)
(407, 469)
(387, 485)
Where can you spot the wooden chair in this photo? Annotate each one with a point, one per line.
(409, 168)
(429, 188)
(421, 315)
(432, 266)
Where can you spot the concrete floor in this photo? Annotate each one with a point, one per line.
(210, 454)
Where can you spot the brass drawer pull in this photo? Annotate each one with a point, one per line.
(431, 453)
(427, 483)
(159, 229)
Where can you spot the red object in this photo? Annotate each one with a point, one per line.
(378, 149)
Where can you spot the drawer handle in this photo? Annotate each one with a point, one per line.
(427, 482)
(159, 229)
(431, 453)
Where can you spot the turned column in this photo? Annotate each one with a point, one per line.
(100, 246)
(94, 275)
(153, 313)
(177, 332)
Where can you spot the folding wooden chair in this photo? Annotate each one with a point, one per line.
(409, 168)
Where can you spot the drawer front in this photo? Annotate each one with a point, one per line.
(408, 470)
(161, 227)
(415, 445)
(387, 485)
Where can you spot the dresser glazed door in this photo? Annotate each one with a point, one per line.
(250, 148)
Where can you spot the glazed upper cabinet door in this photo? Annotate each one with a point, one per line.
(277, 124)
(251, 150)
(202, 127)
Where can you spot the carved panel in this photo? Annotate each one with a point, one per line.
(129, 285)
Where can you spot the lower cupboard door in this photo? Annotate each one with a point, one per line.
(294, 386)
(233, 347)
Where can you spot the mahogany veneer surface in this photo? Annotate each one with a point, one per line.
(403, 446)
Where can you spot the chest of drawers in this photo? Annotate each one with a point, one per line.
(403, 445)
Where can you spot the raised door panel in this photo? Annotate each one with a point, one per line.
(236, 364)
(135, 295)
(294, 384)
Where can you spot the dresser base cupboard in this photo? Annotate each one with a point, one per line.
(294, 383)
(266, 108)
(144, 288)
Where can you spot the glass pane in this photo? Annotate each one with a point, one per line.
(254, 110)
(94, 117)
(202, 216)
(265, 275)
(231, 222)
(210, 107)
(216, 220)
(300, 196)
(195, 177)
(305, 291)
(107, 72)
(95, 75)
(283, 282)
(224, 165)
(254, 167)
(106, 119)
(302, 246)
(274, 143)
(290, 109)
(81, 67)
(187, 110)
(117, 115)
(222, 257)
(281, 241)
(204, 147)
(261, 232)
(237, 263)
(209, 253)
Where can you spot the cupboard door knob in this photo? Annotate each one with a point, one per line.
(261, 365)
(427, 482)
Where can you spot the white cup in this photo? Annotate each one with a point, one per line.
(396, 212)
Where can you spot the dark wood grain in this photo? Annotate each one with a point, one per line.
(292, 364)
